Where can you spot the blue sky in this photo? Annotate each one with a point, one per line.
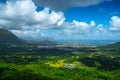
(61, 20)
(100, 13)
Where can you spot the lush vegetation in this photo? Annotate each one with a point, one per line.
(28, 62)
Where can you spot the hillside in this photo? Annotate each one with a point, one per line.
(117, 44)
(8, 37)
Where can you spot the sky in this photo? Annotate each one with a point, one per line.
(61, 19)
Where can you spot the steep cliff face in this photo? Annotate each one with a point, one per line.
(8, 37)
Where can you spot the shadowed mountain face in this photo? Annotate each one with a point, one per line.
(8, 37)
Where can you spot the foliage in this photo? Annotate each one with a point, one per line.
(31, 63)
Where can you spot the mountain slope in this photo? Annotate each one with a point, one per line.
(117, 44)
(8, 37)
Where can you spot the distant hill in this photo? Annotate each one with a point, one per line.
(8, 37)
(117, 44)
(112, 48)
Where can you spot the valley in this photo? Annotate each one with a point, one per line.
(59, 63)
(48, 60)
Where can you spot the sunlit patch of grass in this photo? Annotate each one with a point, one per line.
(58, 64)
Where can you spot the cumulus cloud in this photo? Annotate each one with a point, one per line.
(92, 23)
(21, 17)
(100, 27)
(61, 5)
(22, 14)
(80, 25)
(115, 23)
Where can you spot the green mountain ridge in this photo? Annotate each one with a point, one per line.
(8, 37)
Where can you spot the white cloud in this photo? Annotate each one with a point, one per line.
(81, 25)
(74, 30)
(100, 27)
(17, 14)
(22, 13)
(21, 17)
(92, 23)
(115, 23)
(60, 23)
